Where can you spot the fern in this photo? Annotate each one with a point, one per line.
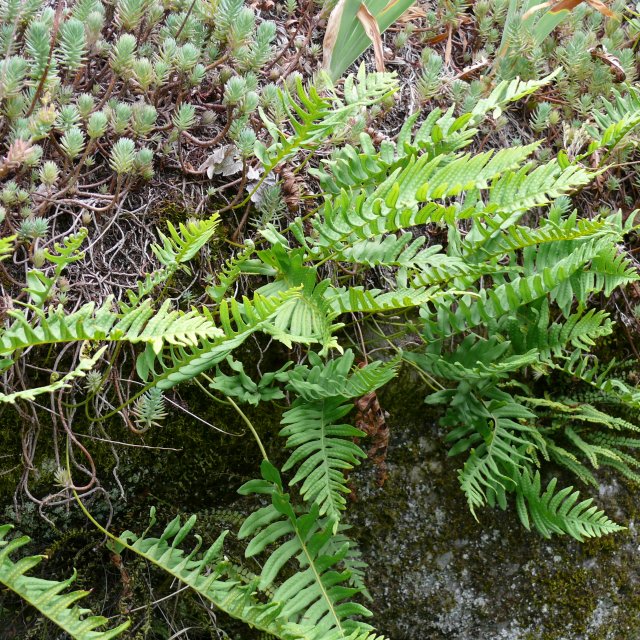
(323, 449)
(210, 575)
(141, 324)
(315, 597)
(183, 243)
(6, 247)
(306, 318)
(620, 118)
(559, 512)
(313, 117)
(505, 92)
(84, 366)
(505, 437)
(47, 595)
(493, 302)
(238, 322)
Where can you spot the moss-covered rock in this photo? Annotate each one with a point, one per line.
(435, 573)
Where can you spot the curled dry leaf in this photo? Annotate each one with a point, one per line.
(611, 61)
(412, 13)
(371, 28)
(372, 419)
(331, 34)
(556, 6)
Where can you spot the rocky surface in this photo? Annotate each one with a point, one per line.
(435, 573)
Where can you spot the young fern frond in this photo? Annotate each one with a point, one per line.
(314, 118)
(184, 242)
(50, 597)
(80, 371)
(6, 247)
(620, 118)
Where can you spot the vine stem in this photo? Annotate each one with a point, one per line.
(84, 509)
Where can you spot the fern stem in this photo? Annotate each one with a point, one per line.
(251, 427)
(240, 412)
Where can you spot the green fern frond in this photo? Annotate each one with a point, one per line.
(210, 575)
(143, 289)
(346, 218)
(84, 366)
(47, 595)
(315, 597)
(308, 317)
(488, 303)
(323, 446)
(237, 320)
(184, 242)
(314, 118)
(139, 325)
(489, 239)
(469, 171)
(358, 299)
(324, 450)
(6, 247)
(505, 92)
(487, 474)
(580, 330)
(474, 359)
(559, 512)
(335, 378)
(529, 188)
(390, 251)
(352, 561)
(439, 134)
(233, 268)
(609, 270)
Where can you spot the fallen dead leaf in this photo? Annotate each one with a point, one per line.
(611, 61)
(412, 13)
(223, 160)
